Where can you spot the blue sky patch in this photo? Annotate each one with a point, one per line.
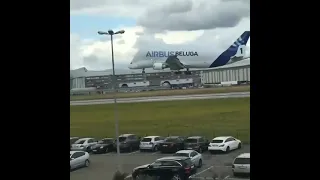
(88, 26)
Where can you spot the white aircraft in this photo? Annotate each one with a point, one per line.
(202, 58)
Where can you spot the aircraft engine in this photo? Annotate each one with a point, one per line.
(159, 66)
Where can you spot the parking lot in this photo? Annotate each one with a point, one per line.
(103, 166)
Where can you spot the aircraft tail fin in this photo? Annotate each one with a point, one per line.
(236, 50)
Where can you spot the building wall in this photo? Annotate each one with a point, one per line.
(77, 83)
(214, 76)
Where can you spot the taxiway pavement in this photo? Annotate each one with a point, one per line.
(162, 98)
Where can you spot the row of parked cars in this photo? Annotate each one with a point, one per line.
(131, 142)
(183, 164)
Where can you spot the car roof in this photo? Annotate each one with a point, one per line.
(194, 137)
(125, 135)
(173, 158)
(173, 137)
(244, 155)
(185, 151)
(85, 138)
(74, 137)
(221, 138)
(107, 138)
(71, 152)
(151, 136)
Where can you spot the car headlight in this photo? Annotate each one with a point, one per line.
(101, 147)
(221, 145)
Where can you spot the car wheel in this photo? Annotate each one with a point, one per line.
(88, 149)
(87, 163)
(155, 148)
(228, 149)
(200, 163)
(239, 146)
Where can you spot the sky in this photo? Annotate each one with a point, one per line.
(151, 24)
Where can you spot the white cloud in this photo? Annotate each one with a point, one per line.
(190, 31)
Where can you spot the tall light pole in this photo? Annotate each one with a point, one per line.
(116, 118)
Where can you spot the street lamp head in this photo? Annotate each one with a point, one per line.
(120, 32)
(110, 32)
(102, 33)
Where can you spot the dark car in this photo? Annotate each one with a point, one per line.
(166, 168)
(128, 142)
(172, 144)
(103, 146)
(197, 143)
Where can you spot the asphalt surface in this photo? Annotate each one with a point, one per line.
(162, 98)
(103, 166)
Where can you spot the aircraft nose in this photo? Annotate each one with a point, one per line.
(132, 66)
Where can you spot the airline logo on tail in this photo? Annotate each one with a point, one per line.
(226, 56)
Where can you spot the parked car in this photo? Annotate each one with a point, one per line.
(83, 144)
(195, 157)
(175, 167)
(241, 164)
(103, 146)
(72, 140)
(197, 143)
(172, 144)
(151, 143)
(79, 159)
(224, 143)
(128, 142)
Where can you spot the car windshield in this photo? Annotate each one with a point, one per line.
(146, 140)
(170, 140)
(80, 141)
(191, 141)
(121, 139)
(216, 141)
(242, 161)
(181, 154)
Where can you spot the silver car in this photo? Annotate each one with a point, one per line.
(83, 144)
(150, 143)
(241, 165)
(79, 159)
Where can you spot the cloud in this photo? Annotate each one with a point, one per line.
(200, 25)
(96, 54)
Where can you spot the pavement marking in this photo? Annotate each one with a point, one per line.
(129, 176)
(133, 152)
(201, 171)
(156, 152)
(226, 177)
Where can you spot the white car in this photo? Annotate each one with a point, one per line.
(195, 157)
(83, 144)
(79, 159)
(150, 143)
(224, 143)
(241, 164)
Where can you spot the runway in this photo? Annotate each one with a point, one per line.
(162, 98)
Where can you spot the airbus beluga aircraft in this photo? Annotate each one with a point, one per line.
(202, 58)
